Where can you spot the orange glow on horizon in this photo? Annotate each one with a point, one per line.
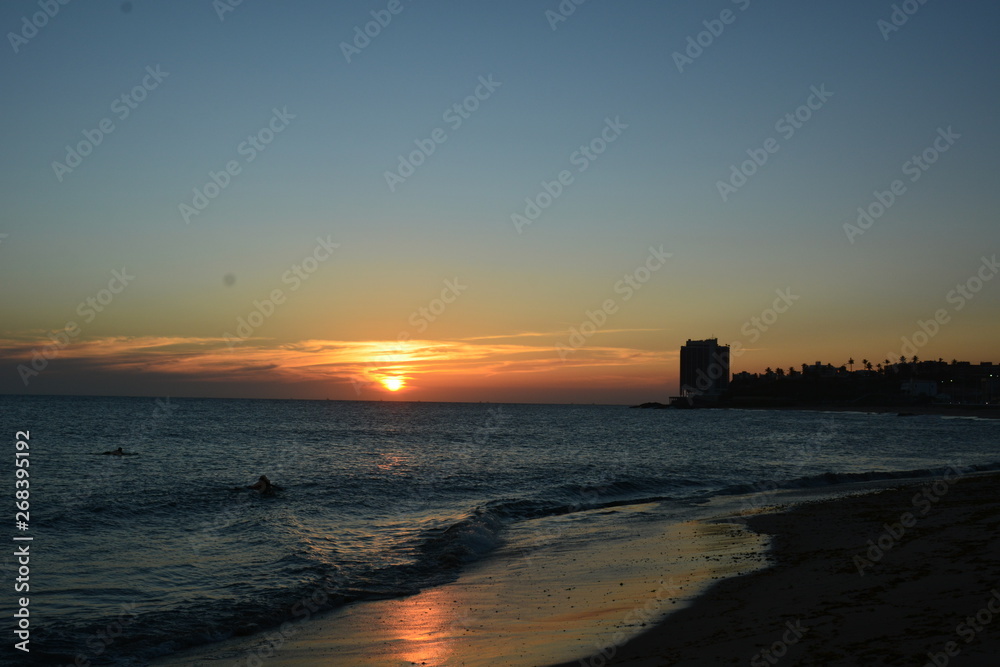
(414, 370)
(519, 367)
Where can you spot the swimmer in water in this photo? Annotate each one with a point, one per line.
(263, 485)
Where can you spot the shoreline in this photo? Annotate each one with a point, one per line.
(988, 412)
(566, 586)
(918, 599)
(944, 410)
(664, 588)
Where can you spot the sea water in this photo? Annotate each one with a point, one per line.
(139, 557)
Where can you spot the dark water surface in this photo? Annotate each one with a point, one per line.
(138, 557)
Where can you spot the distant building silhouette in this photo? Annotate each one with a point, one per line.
(885, 384)
(704, 368)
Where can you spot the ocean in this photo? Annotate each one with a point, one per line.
(139, 557)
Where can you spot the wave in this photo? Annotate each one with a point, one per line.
(464, 541)
(574, 498)
(434, 555)
(311, 586)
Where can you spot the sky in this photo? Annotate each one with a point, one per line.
(489, 201)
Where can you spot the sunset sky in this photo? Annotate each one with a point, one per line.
(240, 223)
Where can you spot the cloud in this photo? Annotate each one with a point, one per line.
(258, 360)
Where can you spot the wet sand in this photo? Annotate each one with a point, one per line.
(580, 584)
(906, 575)
(930, 595)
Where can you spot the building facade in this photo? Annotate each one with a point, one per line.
(704, 368)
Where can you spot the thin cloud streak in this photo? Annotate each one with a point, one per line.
(260, 360)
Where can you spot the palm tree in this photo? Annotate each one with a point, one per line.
(868, 365)
(851, 363)
(780, 372)
(915, 359)
(879, 367)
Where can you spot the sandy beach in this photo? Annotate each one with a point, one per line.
(538, 600)
(929, 593)
(908, 575)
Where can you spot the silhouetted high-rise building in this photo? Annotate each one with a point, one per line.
(704, 368)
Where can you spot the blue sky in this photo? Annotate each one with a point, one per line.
(656, 184)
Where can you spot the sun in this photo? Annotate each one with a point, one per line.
(393, 383)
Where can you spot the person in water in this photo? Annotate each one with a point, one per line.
(263, 485)
(117, 452)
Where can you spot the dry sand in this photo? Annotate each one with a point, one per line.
(581, 604)
(911, 607)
